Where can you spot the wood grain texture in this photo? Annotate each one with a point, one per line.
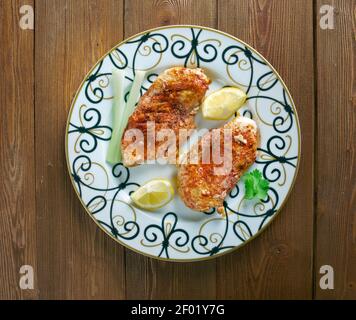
(17, 178)
(41, 220)
(147, 278)
(77, 260)
(149, 14)
(278, 264)
(336, 151)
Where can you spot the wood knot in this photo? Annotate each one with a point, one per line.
(280, 250)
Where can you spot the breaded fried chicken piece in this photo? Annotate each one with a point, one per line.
(199, 186)
(171, 102)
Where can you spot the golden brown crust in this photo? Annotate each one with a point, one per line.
(198, 184)
(170, 102)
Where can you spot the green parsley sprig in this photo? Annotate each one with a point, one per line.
(255, 185)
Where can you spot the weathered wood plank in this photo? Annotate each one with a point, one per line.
(336, 151)
(17, 162)
(76, 259)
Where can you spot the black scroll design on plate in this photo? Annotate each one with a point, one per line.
(118, 55)
(279, 122)
(95, 85)
(230, 57)
(92, 118)
(199, 242)
(260, 80)
(272, 197)
(234, 192)
(279, 143)
(210, 212)
(157, 46)
(241, 224)
(164, 234)
(83, 163)
(184, 49)
(98, 208)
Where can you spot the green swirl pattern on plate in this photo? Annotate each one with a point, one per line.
(175, 232)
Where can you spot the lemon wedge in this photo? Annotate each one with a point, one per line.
(153, 195)
(221, 104)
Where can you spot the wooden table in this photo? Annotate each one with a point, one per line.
(42, 222)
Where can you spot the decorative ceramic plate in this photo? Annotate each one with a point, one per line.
(175, 232)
